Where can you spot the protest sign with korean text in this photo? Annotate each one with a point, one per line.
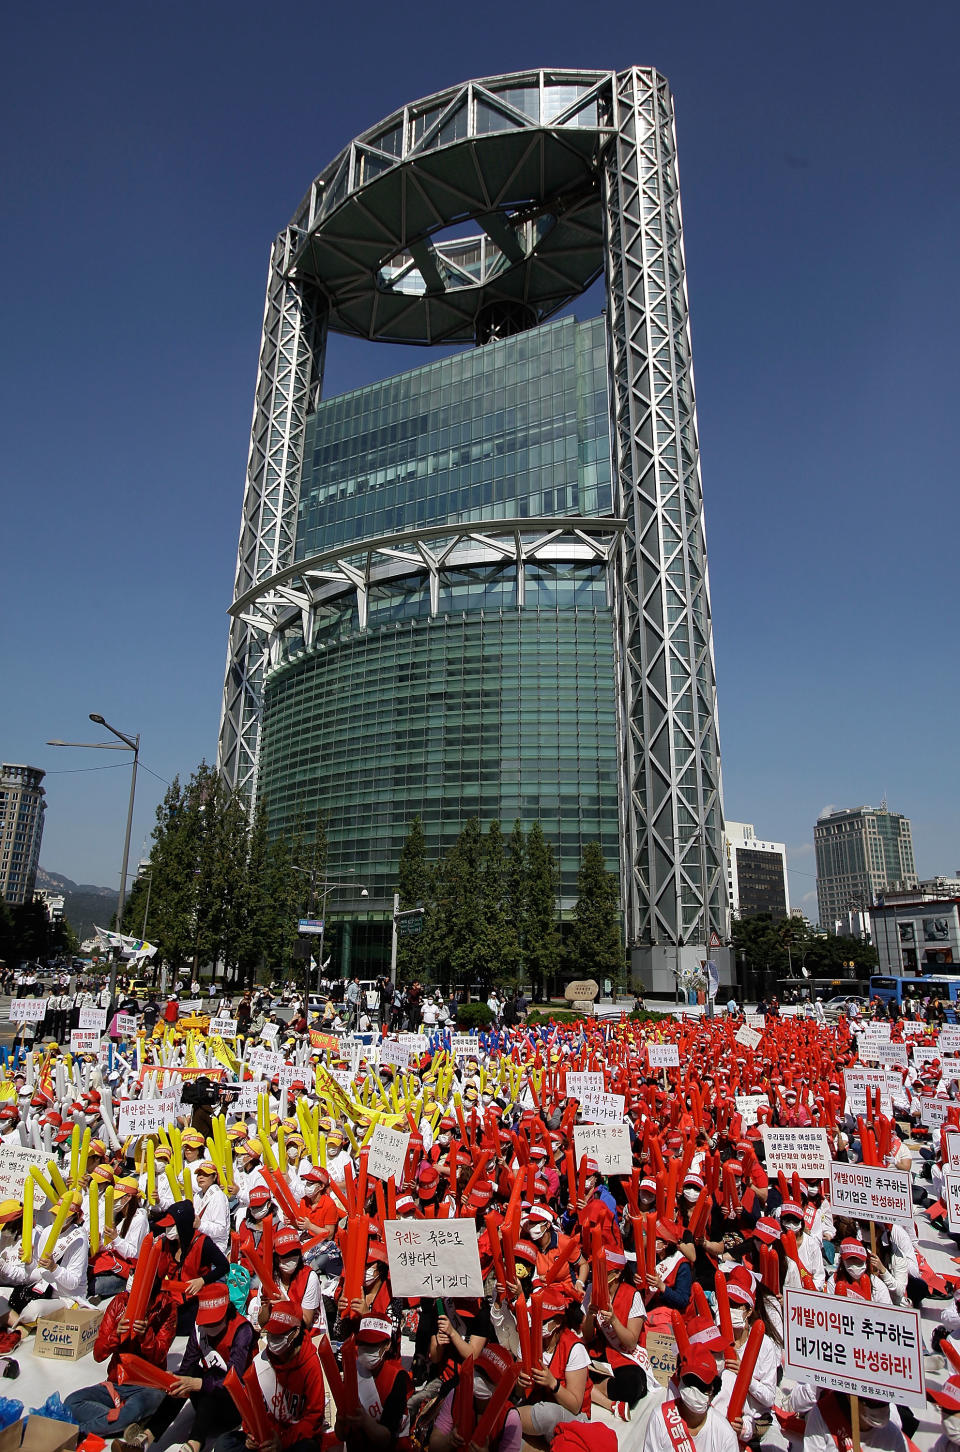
(951, 1195)
(748, 1037)
(924, 1054)
(602, 1108)
(869, 1192)
(433, 1258)
(225, 1027)
(608, 1144)
(952, 1138)
(84, 1041)
(394, 1053)
(463, 1046)
(146, 1116)
(28, 1010)
(879, 1051)
(748, 1105)
(92, 1018)
(15, 1162)
(756, 1021)
(854, 1346)
(934, 1110)
(806, 1151)
(579, 1085)
(387, 1153)
(663, 1056)
(856, 1082)
(948, 1040)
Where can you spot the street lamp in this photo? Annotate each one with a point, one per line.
(326, 887)
(126, 744)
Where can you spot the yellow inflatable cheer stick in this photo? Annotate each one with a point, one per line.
(63, 1210)
(173, 1182)
(44, 1184)
(93, 1201)
(26, 1240)
(151, 1173)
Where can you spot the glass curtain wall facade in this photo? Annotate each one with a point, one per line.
(536, 496)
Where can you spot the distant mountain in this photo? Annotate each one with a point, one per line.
(84, 904)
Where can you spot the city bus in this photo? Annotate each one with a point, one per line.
(926, 985)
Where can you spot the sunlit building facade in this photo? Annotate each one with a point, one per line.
(479, 588)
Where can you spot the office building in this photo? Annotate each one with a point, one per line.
(22, 807)
(756, 873)
(918, 934)
(860, 851)
(480, 587)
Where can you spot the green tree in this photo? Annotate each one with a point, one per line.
(543, 934)
(462, 879)
(595, 949)
(498, 952)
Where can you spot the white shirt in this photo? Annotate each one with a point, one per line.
(819, 1438)
(714, 1435)
(213, 1215)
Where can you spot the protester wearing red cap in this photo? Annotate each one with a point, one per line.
(291, 1380)
(319, 1211)
(612, 1335)
(829, 1425)
(259, 1214)
(859, 1273)
(191, 1259)
(810, 1253)
(559, 1389)
(383, 1387)
(742, 1288)
(298, 1284)
(671, 1281)
(493, 1364)
(687, 1418)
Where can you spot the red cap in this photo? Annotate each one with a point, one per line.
(284, 1316)
(853, 1249)
(699, 1363)
(374, 1329)
(948, 1396)
(705, 1335)
(428, 1182)
(259, 1195)
(791, 1208)
(495, 1360)
(767, 1229)
(740, 1286)
(667, 1230)
(554, 1301)
(315, 1176)
(286, 1240)
(213, 1304)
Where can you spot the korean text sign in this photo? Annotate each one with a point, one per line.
(854, 1346)
(433, 1257)
(608, 1144)
(805, 1150)
(387, 1154)
(663, 1056)
(865, 1192)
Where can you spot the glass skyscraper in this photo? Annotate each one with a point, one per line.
(479, 587)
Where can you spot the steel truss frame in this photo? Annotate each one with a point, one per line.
(672, 880)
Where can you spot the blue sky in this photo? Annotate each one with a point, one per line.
(150, 154)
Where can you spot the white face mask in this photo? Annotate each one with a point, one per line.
(951, 1425)
(289, 1264)
(738, 1317)
(695, 1400)
(172, 1233)
(855, 1268)
(370, 1280)
(691, 1196)
(368, 1359)
(874, 1416)
(259, 1212)
(482, 1389)
(276, 1345)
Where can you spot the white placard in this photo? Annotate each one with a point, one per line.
(146, 1116)
(189, 1005)
(463, 1046)
(269, 1032)
(126, 1024)
(15, 1162)
(387, 1153)
(580, 1084)
(854, 1346)
(806, 1151)
(608, 1144)
(343, 1077)
(866, 1192)
(602, 1108)
(948, 1040)
(884, 1053)
(399, 1055)
(92, 1018)
(263, 1063)
(878, 1029)
(373, 999)
(950, 1068)
(934, 1110)
(924, 1054)
(415, 1042)
(28, 1010)
(951, 1187)
(856, 1082)
(952, 1138)
(246, 1102)
(748, 1106)
(84, 1041)
(225, 1027)
(912, 1030)
(748, 1037)
(756, 1021)
(663, 1056)
(433, 1258)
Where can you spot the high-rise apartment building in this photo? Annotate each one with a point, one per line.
(22, 807)
(756, 873)
(480, 587)
(860, 851)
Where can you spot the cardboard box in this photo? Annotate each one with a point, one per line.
(39, 1434)
(67, 1335)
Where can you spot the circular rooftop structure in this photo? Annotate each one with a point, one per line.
(471, 214)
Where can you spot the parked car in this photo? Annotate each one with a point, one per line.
(834, 1007)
